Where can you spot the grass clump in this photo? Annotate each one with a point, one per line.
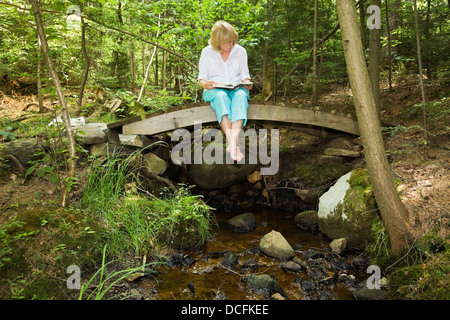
(136, 223)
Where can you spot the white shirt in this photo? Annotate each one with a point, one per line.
(213, 68)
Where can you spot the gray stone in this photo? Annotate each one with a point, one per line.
(263, 284)
(291, 266)
(91, 133)
(275, 245)
(338, 245)
(22, 149)
(229, 259)
(108, 149)
(218, 173)
(307, 219)
(112, 136)
(340, 143)
(300, 262)
(242, 223)
(364, 293)
(154, 164)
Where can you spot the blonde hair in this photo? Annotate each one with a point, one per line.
(222, 32)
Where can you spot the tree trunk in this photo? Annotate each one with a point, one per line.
(428, 44)
(150, 63)
(116, 53)
(374, 62)
(39, 81)
(422, 90)
(388, 32)
(133, 68)
(163, 76)
(62, 101)
(389, 204)
(156, 68)
(362, 22)
(394, 24)
(316, 22)
(86, 58)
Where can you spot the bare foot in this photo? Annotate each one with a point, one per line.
(239, 155)
(235, 153)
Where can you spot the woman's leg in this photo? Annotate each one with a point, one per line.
(239, 105)
(231, 111)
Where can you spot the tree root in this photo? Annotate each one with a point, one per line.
(17, 163)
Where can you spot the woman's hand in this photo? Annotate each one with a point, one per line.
(208, 85)
(247, 86)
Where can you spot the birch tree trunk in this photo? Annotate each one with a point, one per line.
(62, 101)
(392, 210)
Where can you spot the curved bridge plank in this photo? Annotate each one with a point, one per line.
(262, 112)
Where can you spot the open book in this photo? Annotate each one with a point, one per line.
(231, 86)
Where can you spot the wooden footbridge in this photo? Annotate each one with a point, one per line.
(186, 116)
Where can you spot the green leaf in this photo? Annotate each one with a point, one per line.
(48, 169)
(29, 171)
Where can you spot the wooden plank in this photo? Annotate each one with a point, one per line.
(274, 113)
(303, 116)
(123, 122)
(171, 121)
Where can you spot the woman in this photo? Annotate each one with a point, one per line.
(223, 61)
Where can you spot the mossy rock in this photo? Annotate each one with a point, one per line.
(307, 219)
(310, 172)
(352, 217)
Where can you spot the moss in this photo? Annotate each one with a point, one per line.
(311, 173)
(428, 275)
(354, 216)
(402, 282)
(360, 177)
(378, 246)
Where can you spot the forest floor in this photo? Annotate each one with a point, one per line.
(421, 170)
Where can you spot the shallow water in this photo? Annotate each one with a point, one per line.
(208, 277)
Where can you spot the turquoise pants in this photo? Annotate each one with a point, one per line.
(234, 103)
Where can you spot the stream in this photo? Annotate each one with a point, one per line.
(200, 275)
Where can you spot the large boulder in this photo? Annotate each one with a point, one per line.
(275, 245)
(90, 133)
(219, 174)
(348, 209)
(23, 149)
(154, 164)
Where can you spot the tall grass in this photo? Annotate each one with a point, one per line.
(138, 224)
(106, 180)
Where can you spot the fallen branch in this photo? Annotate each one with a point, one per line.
(28, 116)
(16, 162)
